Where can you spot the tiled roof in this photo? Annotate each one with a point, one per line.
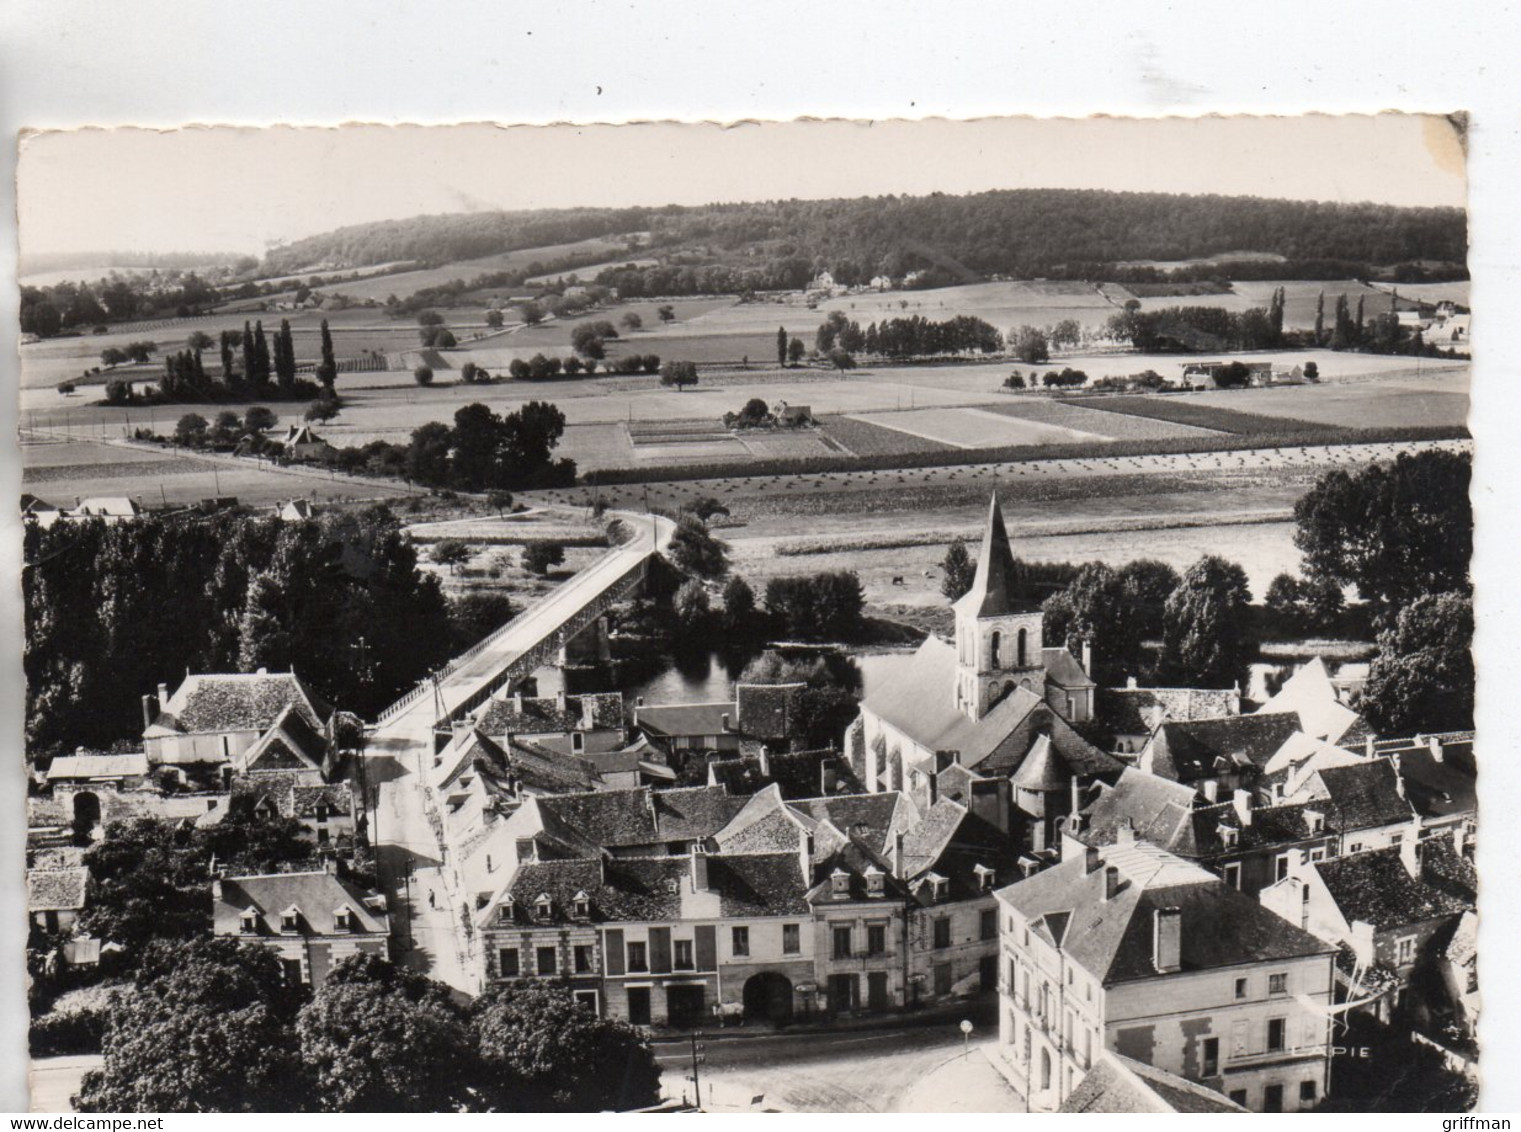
(1443, 867)
(1063, 669)
(695, 813)
(1043, 770)
(335, 796)
(238, 702)
(954, 843)
(56, 890)
(1128, 711)
(611, 818)
(798, 773)
(1159, 810)
(469, 748)
(863, 817)
(658, 888)
(679, 720)
(278, 787)
(767, 711)
(538, 767)
(1270, 826)
(1364, 795)
(1113, 939)
(1375, 887)
(854, 861)
(291, 743)
(134, 764)
(537, 715)
(1438, 788)
(1189, 751)
(1117, 1083)
(318, 896)
(919, 700)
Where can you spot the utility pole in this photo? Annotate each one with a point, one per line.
(698, 1057)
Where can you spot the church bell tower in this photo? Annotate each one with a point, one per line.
(998, 634)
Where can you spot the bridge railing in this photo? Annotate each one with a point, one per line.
(423, 687)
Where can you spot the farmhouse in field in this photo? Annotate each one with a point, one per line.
(302, 443)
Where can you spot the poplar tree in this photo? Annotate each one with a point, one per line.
(781, 346)
(1320, 319)
(327, 371)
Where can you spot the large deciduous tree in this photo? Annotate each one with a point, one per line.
(378, 1038)
(541, 1051)
(204, 1028)
(1395, 531)
(695, 551)
(1096, 609)
(1423, 676)
(1204, 627)
(958, 569)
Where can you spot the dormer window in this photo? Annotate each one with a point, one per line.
(1316, 820)
(1228, 835)
(504, 910)
(343, 919)
(577, 742)
(248, 922)
(874, 881)
(984, 878)
(839, 884)
(939, 887)
(543, 907)
(290, 919)
(582, 905)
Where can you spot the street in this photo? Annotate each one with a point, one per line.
(920, 1065)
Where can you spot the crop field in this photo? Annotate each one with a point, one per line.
(1190, 411)
(977, 428)
(1080, 417)
(1454, 292)
(1365, 406)
(1004, 305)
(863, 438)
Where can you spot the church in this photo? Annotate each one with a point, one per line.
(987, 720)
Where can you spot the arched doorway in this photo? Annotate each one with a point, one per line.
(86, 813)
(768, 995)
(1045, 1070)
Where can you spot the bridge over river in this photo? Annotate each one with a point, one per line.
(426, 916)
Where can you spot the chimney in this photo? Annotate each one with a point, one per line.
(638, 701)
(1243, 803)
(560, 699)
(1368, 747)
(723, 723)
(829, 776)
(216, 888)
(1077, 795)
(1167, 940)
(1087, 656)
(1459, 839)
(1410, 853)
(898, 854)
(765, 760)
(1111, 882)
(1211, 790)
(588, 716)
(1125, 834)
(517, 701)
(1435, 746)
(1130, 684)
(150, 710)
(699, 869)
(163, 693)
(1091, 860)
(934, 788)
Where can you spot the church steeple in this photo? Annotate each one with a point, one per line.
(995, 586)
(998, 634)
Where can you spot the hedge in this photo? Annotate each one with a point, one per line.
(58, 1035)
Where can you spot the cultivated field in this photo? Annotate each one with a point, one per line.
(976, 428)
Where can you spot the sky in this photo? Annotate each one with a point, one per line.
(244, 189)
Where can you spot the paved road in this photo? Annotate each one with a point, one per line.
(427, 912)
(54, 1080)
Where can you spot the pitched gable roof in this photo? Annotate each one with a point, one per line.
(1311, 695)
(1158, 810)
(1362, 795)
(543, 715)
(318, 896)
(1188, 751)
(1112, 939)
(240, 701)
(131, 765)
(1376, 888)
(767, 711)
(1117, 1083)
(291, 743)
(1136, 711)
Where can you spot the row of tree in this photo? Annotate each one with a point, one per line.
(72, 306)
(211, 1025)
(113, 609)
(912, 337)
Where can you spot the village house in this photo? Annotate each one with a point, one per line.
(312, 921)
(759, 715)
(1394, 911)
(799, 774)
(1439, 777)
(1217, 756)
(664, 941)
(570, 725)
(303, 444)
(87, 770)
(216, 718)
(56, 897)
(1318, 701)
(1132, 714)
(1134, 950)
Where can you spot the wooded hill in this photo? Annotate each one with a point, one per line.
(1024, 232)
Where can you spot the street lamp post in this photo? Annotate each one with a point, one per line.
(966, 1039)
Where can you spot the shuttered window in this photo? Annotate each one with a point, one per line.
(612, 950)
(706, 938)
(660, 951)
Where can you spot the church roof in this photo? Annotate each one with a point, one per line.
(995, 586)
